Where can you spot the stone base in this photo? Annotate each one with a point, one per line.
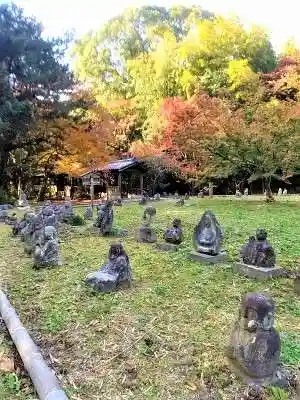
(167, 246)
(208, 258)
(280, 378)
(259, 273)
(105, 283)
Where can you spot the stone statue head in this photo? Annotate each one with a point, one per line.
(177, 223)
(149, 212)
(116, 250)
(257, 310)
(50, 233)
(109, 204)
(261, 234)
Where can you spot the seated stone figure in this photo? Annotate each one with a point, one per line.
(105, 219)
(146, 233)
(47, 254)
(88, 213)
(258, 251)
(254, 348)
(114, 274)
(208, 234)
(174, 235)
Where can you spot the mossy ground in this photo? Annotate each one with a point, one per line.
(165, 338)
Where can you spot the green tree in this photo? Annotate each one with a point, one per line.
(32, 80)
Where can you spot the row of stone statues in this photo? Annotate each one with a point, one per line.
(38, 231)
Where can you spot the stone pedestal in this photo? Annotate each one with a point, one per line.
(167, 246)
(208, 258)
(259, 273)
(105, 282)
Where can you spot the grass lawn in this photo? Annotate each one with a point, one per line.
(165, 338)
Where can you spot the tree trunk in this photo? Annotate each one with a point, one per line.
(269, 194)
(210, 189)
(4, 178)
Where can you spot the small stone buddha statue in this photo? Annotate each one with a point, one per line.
(174, 235)
(105, 218)
(114, 274)
(258, 251)
(47, 254)
(254, 348)
(208, 234)
(146, 234)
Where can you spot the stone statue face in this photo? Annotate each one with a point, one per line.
(115, 250)
(177, 223)
(258, 310)
(261, 234)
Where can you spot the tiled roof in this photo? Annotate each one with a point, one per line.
(120, 165)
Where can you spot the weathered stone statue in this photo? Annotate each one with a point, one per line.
(47, 254)
(246, 192)
(258, 258)
(114, 274)
(105, 219)
(66, 211)
(254, 348)
(118, 203)
(3, 215)
(157, 196)
(180, 202)
(24, 200)
(285, 192)
(201, 194)
(238, 193)
(88, 213)
(146, 233)
(208, 238)
(173, 236)
(143, 201)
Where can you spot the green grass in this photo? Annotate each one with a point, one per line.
(165, 338)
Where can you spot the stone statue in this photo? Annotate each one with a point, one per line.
(180, 202)
(201, 194)
(105, 219)
(157, 196)
(88, 213)
(279, 193)
(174, 235)
(146, 233)
(143, 201)
(208, 234)
(255, 345)
(246, 192)
(118, 202)
(258, 251)
(3, 215)
(285, 192)
(258, 258)
(47, 254)
(24, 200)
(114, 274)
(238, 193)
(208, 238)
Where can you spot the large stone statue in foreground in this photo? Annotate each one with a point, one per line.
(47, 253)
(258, 258)
(105, 219)
(254, 348)
(208, 238)
(114, 274)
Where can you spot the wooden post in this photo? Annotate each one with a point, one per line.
(210, 189)
(120, 183)
(142, 184)
(92, 192)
